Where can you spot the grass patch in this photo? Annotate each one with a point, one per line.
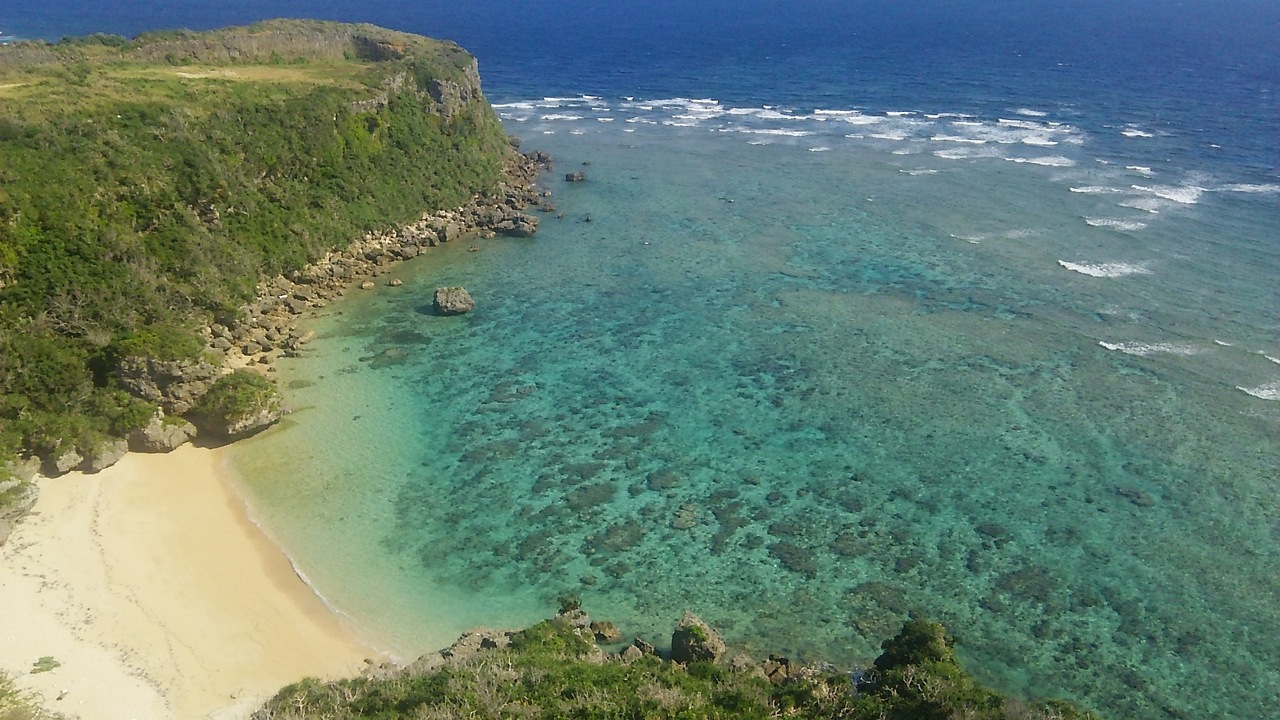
(45, 664)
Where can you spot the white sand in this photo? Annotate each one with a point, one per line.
(159, 598)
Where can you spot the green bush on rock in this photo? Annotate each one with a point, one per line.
(238, 404)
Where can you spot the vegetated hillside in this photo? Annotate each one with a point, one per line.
(555, 669)
(147, 185)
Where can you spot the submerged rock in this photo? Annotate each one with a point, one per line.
(695, 641)
(453, 301)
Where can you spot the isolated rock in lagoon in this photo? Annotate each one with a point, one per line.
(575, 177)
(695, 641)
(453, 301)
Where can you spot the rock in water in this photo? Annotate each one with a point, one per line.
(453, 301)
(695, 641)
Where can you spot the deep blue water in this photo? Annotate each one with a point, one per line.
(965, 308)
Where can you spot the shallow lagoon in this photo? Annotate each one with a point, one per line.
(805, 394)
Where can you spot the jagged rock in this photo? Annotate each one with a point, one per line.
(695, 641)
(105, 456)
(519, 226)
(645, 648)
(367, 285)
(453, 301)
(575, 177)
(577, 618)
(606, 632)
(64, 462)
(630, 654)
(395, 282)
(475, 642)
(162, 435)
(747, 665)
(174, 385)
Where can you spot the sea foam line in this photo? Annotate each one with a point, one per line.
(1144, 349)
(1269, 391)
(1106, 270)
(1128, 225)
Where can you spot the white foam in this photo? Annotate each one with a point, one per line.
(1023, 124)
(1141, 170)
(1253, 189)
(1127, 225)
(1144, 349)
(1131, 131)
(1270, 391)
(919, 171)
(967, 153)
(1096, 190)
(820, 148)
(1021, 234)
(1151, 205)
(524, 105)
(958, 139)
(604, 120)
(1031, 113)
(899, 113)
(862, 120)
(1048, 161)
(1184, 194)
(1105, 270)
(560, 116)
(773, 131)
(1275, 360)
(895, 135)
(577, 132)
(1039, 141)
(1222, 343)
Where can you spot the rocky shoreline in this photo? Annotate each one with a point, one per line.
(267, 329)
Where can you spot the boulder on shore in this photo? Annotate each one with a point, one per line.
(162, 435)
(104, 456)
(453, 301)
(695, 641)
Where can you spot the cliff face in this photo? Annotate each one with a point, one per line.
(149, 186)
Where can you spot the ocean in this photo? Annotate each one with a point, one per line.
(961, 309)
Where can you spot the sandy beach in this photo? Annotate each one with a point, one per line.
(158, 598)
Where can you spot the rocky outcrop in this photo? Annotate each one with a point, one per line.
(175, 385)
(63, 462)
(695, 641)
(162, 434)
(453, 301)
(104, 456)
(16, 499)
(238, 405)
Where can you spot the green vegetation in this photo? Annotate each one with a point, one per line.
(17, 705)
(45, 664)
(554, 671)
(235, 396)
(148, 185)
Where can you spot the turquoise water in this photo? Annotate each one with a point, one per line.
(805, 384)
